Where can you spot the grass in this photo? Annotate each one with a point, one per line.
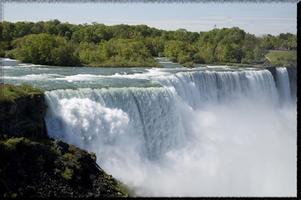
(8, 93)
(282, 58)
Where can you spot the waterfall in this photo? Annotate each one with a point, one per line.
(199, 128)
(198, 88)
(283, 84)
(88, 117)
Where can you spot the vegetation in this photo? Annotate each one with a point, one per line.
(116, 52)
(49, 168)
(44, 49)
(8, 93)
(56, 43)
(282, 58)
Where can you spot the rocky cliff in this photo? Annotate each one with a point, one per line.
(22, 111)
(49, 168)
(24, 116)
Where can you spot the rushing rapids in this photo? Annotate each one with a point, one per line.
(203, 132)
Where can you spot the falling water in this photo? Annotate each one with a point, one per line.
(283, 84)
(198, 133)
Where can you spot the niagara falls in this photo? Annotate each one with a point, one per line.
(206, 131)
(149, 98)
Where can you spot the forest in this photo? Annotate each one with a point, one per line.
(64, 44)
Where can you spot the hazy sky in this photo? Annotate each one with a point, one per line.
(256, 18)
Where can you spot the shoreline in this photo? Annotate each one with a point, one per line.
(159, 65)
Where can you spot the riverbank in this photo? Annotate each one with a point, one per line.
(288, 62)
(282, 58)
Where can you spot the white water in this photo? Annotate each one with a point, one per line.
(201, 134)
(284, 84)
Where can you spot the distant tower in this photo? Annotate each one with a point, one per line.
(214, 26)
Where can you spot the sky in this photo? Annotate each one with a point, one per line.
(255, 18)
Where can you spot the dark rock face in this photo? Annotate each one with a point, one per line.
(49, 168)
(23, 117)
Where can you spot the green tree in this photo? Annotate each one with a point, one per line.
(44, 49)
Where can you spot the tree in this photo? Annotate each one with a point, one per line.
(53, 42)
(44, 49)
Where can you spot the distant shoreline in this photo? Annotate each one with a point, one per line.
(255, 65)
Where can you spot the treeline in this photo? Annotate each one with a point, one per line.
(56, 43)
